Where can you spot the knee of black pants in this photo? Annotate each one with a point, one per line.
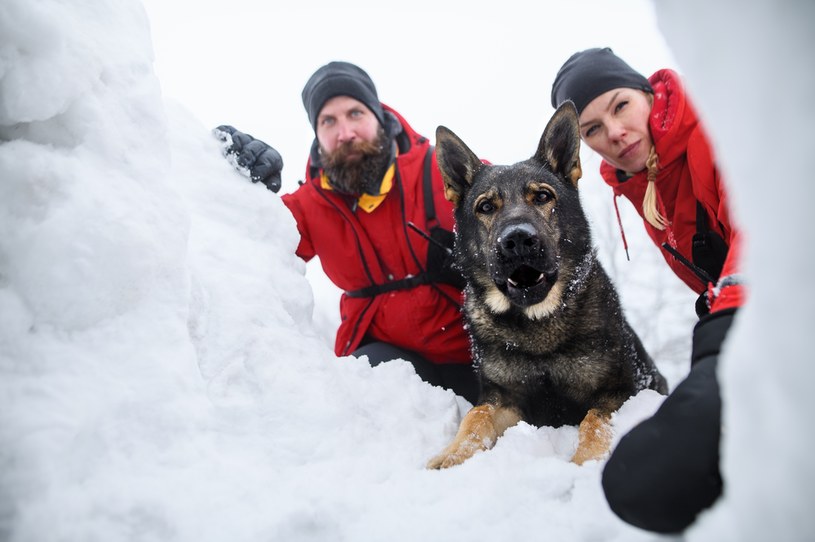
(666, 470)
(380, 352)
(462, 379)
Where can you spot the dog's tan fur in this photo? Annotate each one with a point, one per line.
(594, 437)
(479, 430)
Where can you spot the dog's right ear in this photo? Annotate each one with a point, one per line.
(458, 164)
(559, 146)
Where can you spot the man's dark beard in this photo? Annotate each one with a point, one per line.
(358, 175)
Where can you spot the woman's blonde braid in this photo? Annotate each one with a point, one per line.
(650, 208)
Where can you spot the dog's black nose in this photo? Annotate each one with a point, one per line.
(519, 240)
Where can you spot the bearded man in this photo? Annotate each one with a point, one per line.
(372, 208)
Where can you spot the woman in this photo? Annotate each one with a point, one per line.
(656, 154)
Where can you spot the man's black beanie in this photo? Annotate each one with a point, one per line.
(590, 73)
(340, 79)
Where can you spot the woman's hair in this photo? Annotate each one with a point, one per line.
(650, 205)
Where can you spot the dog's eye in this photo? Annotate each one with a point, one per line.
(485, 207)
(542, 196)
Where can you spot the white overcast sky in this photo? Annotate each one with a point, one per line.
(484, 69)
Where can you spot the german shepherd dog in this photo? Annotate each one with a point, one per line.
(549, 338)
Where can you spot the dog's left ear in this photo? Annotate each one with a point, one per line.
(560, 144)
(458, 164)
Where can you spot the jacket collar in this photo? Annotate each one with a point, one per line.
(368, 202)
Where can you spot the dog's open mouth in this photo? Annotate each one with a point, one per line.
(525, 277)
(527, 285)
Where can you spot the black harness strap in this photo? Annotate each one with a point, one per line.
(402, 284)
(430, 211)
(700, 273)
(708, 249)
(701, 217)
(429, 206)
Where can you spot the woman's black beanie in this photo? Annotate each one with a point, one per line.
(590, 73)
(340, 79)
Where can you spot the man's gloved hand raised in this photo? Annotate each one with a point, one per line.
(252, 157)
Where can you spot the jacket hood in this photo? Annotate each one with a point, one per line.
(672, 122)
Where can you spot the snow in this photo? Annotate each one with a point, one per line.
(165, 368)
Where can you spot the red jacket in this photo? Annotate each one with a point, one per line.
(358, 249)
(687, 174)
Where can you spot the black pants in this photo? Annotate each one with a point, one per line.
(666, 470)
(461, 378)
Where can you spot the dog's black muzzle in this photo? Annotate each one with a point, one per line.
(525, 272)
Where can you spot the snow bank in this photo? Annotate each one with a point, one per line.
(160, 375)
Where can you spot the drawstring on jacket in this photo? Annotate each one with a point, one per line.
(660, 211)
(668, 246)
(620, 223)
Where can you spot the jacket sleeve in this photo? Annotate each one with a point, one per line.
(710, 188)
(729, 292)
(305, 249)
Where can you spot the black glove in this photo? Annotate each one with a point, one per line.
(679, 443)
(709, 334)
(252, 157)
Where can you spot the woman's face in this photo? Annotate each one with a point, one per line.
(615, 125)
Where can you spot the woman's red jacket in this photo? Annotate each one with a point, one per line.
(687, 174)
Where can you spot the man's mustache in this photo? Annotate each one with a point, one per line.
(344, 151)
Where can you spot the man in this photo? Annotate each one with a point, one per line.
(372, 208)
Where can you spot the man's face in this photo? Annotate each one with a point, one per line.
(353, 152)
(345, 121)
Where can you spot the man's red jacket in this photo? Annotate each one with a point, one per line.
(358, 249)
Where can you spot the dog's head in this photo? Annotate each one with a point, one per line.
(520, 231)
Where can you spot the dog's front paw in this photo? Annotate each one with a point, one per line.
(444, 461)
(594, 437)
(456, 454)
(581, 455)
(479, 429)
